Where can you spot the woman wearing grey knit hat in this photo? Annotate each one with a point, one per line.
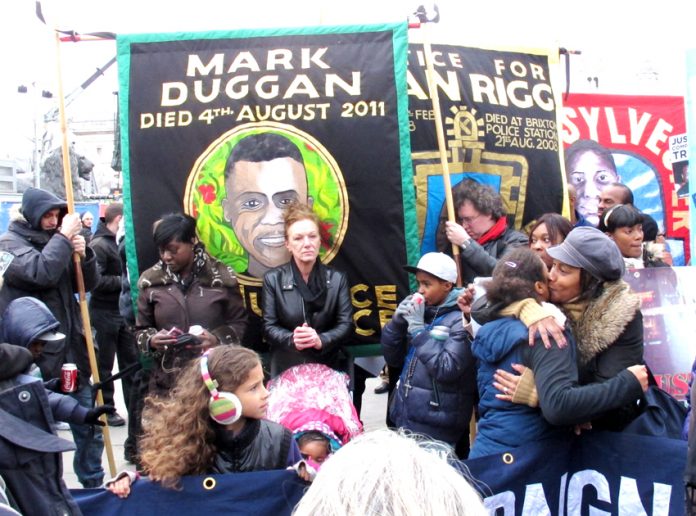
(604, 314)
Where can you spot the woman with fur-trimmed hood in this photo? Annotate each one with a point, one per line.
(604, 315)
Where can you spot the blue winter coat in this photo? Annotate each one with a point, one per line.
(437, 388)
(562, 401)
(503, 425)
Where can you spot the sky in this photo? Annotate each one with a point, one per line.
(634, 47)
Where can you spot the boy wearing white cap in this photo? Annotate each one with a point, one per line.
(425, 339)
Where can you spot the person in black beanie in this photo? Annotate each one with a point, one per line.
(42, 240)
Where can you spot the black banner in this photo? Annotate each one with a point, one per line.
(329, 107)
(499, 118)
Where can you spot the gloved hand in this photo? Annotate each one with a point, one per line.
(415, 318)
(53, 385)
(92, 417)
(404, 308)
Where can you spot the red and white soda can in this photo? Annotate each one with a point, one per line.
(68, 378)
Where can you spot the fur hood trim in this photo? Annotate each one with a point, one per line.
(16, 213)
(605, 319)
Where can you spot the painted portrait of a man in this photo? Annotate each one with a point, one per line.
(264, 175)
(240, 188)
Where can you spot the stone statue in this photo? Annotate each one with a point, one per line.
(52, 173)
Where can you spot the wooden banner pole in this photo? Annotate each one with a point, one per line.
(441, 144)
(86, 324)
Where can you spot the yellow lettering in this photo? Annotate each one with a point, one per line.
(360, 287)
(356, 318)
(386, 296)
(384, 317)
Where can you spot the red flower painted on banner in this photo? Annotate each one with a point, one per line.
(194, 212)
(309, 147)
(207, 193)
(325, 234)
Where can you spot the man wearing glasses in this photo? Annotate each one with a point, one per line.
(481, 231)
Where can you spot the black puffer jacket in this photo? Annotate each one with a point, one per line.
(284, 310)
(43, 268)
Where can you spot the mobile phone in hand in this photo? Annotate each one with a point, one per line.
(175, 332)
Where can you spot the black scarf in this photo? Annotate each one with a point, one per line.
(314, 291)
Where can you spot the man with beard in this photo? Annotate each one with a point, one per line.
(42, 242)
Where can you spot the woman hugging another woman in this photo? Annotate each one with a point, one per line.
(503, 342)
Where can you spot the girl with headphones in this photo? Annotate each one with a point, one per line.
(213, 422)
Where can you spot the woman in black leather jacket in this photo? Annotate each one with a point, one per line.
(307, 313)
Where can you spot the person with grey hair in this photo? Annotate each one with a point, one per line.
(390, 473)
(481, 230)
(603, 313)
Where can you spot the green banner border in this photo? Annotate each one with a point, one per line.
(400, 52)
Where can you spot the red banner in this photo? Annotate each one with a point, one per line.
(636, 131)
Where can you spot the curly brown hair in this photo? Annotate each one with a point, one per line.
(296, 212)
(484, 198)
(179, 437)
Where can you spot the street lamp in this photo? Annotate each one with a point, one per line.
(46, 94)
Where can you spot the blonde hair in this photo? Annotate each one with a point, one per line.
(179, 437)
(297, 212)
(390, 473)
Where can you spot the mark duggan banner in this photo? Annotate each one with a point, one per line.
(232, 127)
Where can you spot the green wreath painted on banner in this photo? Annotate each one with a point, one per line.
(205, 189)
